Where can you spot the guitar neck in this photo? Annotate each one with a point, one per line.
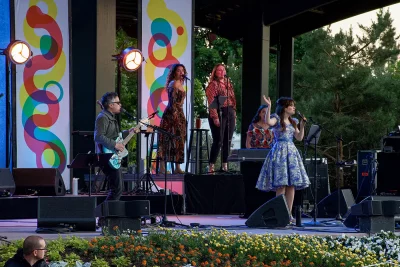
(130, 135)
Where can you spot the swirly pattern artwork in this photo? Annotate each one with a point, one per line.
(166, 40)
(43, 85)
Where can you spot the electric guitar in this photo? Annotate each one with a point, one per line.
(115, 160)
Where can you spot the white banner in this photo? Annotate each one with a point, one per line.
(166, 40)
(43, 86)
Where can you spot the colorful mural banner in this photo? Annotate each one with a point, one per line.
(43, 86)
(166, 40)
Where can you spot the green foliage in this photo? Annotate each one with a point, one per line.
(350, 84)
(129, 91)
(71, 259)
(121, 261)
(98, 262)
(166, 247)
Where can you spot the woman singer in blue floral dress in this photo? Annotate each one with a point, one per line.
(283, 170)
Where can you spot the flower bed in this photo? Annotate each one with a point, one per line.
(163, 247)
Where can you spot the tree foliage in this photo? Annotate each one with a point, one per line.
(349, 84)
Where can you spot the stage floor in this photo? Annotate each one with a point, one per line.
(19, 229)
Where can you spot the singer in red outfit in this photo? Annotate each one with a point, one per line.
(219, 85)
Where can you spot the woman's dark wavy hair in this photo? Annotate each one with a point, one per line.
(281, 104)
(256, 118)
(171, 74)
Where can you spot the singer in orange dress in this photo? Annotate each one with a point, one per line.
(173, 120)
(283, 170)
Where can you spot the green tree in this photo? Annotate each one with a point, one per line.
(129, 91)
(348, 84)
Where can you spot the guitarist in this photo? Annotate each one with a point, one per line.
(105, 133)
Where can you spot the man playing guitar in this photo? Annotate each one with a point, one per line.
(106, 136)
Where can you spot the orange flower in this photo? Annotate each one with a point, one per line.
(112, 248)
(193, 263)
(181, 247)
(178, 258)
(115, 228)
(312, 263)
(273, 263)
(248, 263)
(94, 240)
(144, 262)
(155, 260)
(217, 260)
(184, 260)
(342, 264)
(139, 231)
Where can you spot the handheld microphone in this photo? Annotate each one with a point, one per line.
(128, 114)
(301, 115)
(185, 77)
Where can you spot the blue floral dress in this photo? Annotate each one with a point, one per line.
(283, 165)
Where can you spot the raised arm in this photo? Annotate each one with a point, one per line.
(270, 121)
(299, 133)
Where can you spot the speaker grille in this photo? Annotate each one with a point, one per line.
(78, 212)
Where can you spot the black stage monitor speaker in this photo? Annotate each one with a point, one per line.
(40, 181)
(351, 221)
(124, 214)
(328, 207)
(77, 213)
(7, 185)
(273, 213)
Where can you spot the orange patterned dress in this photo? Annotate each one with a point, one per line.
(173, 121)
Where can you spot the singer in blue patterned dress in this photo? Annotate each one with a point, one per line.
(283, 170)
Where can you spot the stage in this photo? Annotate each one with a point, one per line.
(18, 229)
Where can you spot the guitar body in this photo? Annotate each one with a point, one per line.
(115, 160)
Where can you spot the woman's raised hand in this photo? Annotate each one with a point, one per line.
(267, 100)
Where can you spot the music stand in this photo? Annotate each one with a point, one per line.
(84, 160)
(217, 104)
(312, 138)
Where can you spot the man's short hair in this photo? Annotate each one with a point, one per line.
(107, 99)
(31, 243)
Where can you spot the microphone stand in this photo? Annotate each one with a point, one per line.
(167, 138)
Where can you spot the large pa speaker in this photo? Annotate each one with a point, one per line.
(39, 181)
(366, 173)
(328, 207)
(273, 213)
(323, 187)
(75, 213)
(388, 182)
(7, 185)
